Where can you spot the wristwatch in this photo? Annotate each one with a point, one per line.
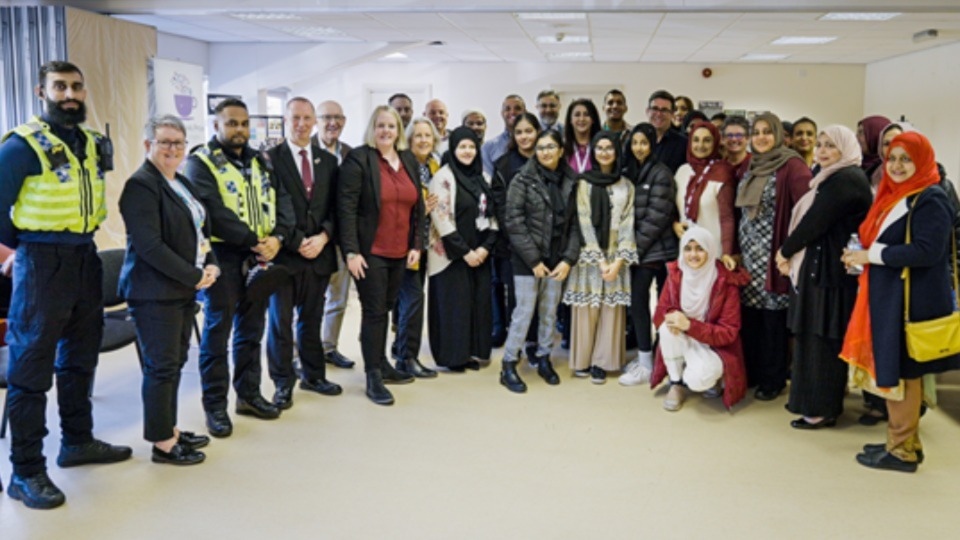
(351, 256)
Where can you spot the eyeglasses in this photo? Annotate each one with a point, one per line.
(605, 150)
(171, 145)
(734, 136)
(334, 117)
(547, 147)
(661, 110)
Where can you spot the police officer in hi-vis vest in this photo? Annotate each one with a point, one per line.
(52, 200)
(250, 215)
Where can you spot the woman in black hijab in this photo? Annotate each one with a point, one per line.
(462, 234)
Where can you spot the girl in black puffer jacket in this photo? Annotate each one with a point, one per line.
(537, 221)
(654, 214)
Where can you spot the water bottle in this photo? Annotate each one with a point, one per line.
(854, 245)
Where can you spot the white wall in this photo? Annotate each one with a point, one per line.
(827, 93)
(923, 87)
(182, 49)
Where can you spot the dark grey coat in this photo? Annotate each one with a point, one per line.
(654, 211)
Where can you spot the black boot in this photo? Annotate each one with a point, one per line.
(545, 370)
(390, 375)
(415, 368)
(376, 391)
(510, 378)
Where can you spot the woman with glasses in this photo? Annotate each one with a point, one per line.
(543, 250)
(168, 260)
(598, 289)
(775, 181)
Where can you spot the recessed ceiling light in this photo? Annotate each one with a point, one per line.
(265, 16)
(852, 16)
(570, 56)
(761, 57)
(317, 32)
(395, 56)
(552, 16)
(562, 38)
(803, 40)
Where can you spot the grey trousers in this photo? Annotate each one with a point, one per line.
(336, 304)
(533, 294)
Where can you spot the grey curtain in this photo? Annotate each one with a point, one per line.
(29, 36)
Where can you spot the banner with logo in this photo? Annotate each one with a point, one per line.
(177, 88)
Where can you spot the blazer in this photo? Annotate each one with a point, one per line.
(358, 200)
(311, 215)
(161, 239)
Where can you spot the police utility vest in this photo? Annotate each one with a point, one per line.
(67, 195)
(249, 194)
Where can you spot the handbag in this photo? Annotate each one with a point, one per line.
(936, 338)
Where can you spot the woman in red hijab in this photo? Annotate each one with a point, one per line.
(874, 343)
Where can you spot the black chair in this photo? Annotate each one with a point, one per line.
(118, 328)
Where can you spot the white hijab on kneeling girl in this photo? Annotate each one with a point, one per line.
(696, 284)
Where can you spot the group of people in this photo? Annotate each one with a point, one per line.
(745, 228)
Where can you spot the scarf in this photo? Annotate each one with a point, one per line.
(763, 166)
(632, 166)
(845, 140)
(871, 134)
(469, 176)
(697, 284)
(904, 127)
(710, 168)
(599, 180)
(858, 342)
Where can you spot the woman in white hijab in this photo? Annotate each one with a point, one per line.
(698, 318)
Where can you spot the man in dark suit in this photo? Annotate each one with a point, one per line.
(308, 174)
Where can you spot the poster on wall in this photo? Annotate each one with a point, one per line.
(265, 131)
(177, 88)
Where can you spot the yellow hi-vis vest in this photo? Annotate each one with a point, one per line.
(253, 199)
(67, 195)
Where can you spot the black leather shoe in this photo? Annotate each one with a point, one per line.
(510, 379)
(283, 397)
(219, 424)
(531, 351)
(766, 395)
(392, 376)
(178, 455)
(882, 447)
(376, 391)
(545, 370)
(473, 365)
(803, 423)
(95, 451)
(192, 441)
(887, 461)
(36, 491)
(415, 368)
(257, 406)
(339, 360)
(321, 386)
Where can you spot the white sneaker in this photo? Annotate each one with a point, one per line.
(634, 373)
(675, 397)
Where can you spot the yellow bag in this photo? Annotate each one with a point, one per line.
(936, 338)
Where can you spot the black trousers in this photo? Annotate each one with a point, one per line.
(641, 277)
(409, 311)
(55, 327)
(764, 336)
(304, 291)
(378, 292)
(226, 307)
(163, 332)
(503, 299)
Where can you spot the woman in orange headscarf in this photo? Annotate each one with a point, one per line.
(874, 343)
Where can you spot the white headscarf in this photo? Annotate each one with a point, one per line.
(696, 284)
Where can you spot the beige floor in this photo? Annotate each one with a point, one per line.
(459, 457)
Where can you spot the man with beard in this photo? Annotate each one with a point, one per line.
(615, 107)
(513, 106)
(52, 199)
(404, 107)
(548, 107)
(251, 218)
(327, 137)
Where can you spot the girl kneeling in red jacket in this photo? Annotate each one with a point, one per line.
(698, 319)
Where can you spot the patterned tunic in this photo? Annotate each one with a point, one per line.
(756, 237)
(585, 286)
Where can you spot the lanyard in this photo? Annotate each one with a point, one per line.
(581, 159)
(693, 189)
